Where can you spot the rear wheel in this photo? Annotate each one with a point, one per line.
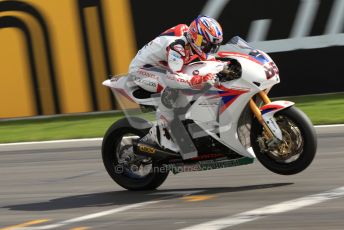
(297, 149)
(127, 169)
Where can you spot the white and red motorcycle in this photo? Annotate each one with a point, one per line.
(230, 124)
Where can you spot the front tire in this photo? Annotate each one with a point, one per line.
(299, 143)
(122, 173)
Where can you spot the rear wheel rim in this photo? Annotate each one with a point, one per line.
(128, 163)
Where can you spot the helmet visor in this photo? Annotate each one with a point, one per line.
(210, 48)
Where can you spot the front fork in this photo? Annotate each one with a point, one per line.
(269, 123)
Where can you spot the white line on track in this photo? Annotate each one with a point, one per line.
(111, 211)
(329, 126)
(54, 141)
(99, 139)
(90, 216)
(259, 213)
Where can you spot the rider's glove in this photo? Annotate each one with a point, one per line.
(210, 79)
(198, 82)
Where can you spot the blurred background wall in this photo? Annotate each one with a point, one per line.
(54, 54)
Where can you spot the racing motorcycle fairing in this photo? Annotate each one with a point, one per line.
(225, 122)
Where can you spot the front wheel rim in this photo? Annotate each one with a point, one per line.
(291, 147)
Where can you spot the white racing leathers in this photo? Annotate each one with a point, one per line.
(157, 60)
(156, 68)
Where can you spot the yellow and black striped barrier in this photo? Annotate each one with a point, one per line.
(55, 54)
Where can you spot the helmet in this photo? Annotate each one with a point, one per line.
(204, 35)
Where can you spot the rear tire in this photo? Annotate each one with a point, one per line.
(308, 150)
(110, 143)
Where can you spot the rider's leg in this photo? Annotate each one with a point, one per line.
(171, 114)
(169, 132)
(178, 130)
(148, 79)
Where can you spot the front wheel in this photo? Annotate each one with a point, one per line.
(297, 149)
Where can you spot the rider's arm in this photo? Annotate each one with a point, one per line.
(185, 81)
(175, 77)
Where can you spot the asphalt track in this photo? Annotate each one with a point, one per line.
(63, 185)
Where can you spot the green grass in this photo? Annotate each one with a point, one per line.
(56, 128)
(322, 109)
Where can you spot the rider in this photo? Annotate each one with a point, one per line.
(167, 54)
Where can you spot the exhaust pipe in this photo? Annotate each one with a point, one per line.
(155, 152)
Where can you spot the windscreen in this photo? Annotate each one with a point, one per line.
(239, 45)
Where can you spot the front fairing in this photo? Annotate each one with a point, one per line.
(257, 67)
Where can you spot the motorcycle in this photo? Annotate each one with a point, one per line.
(229, 124)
